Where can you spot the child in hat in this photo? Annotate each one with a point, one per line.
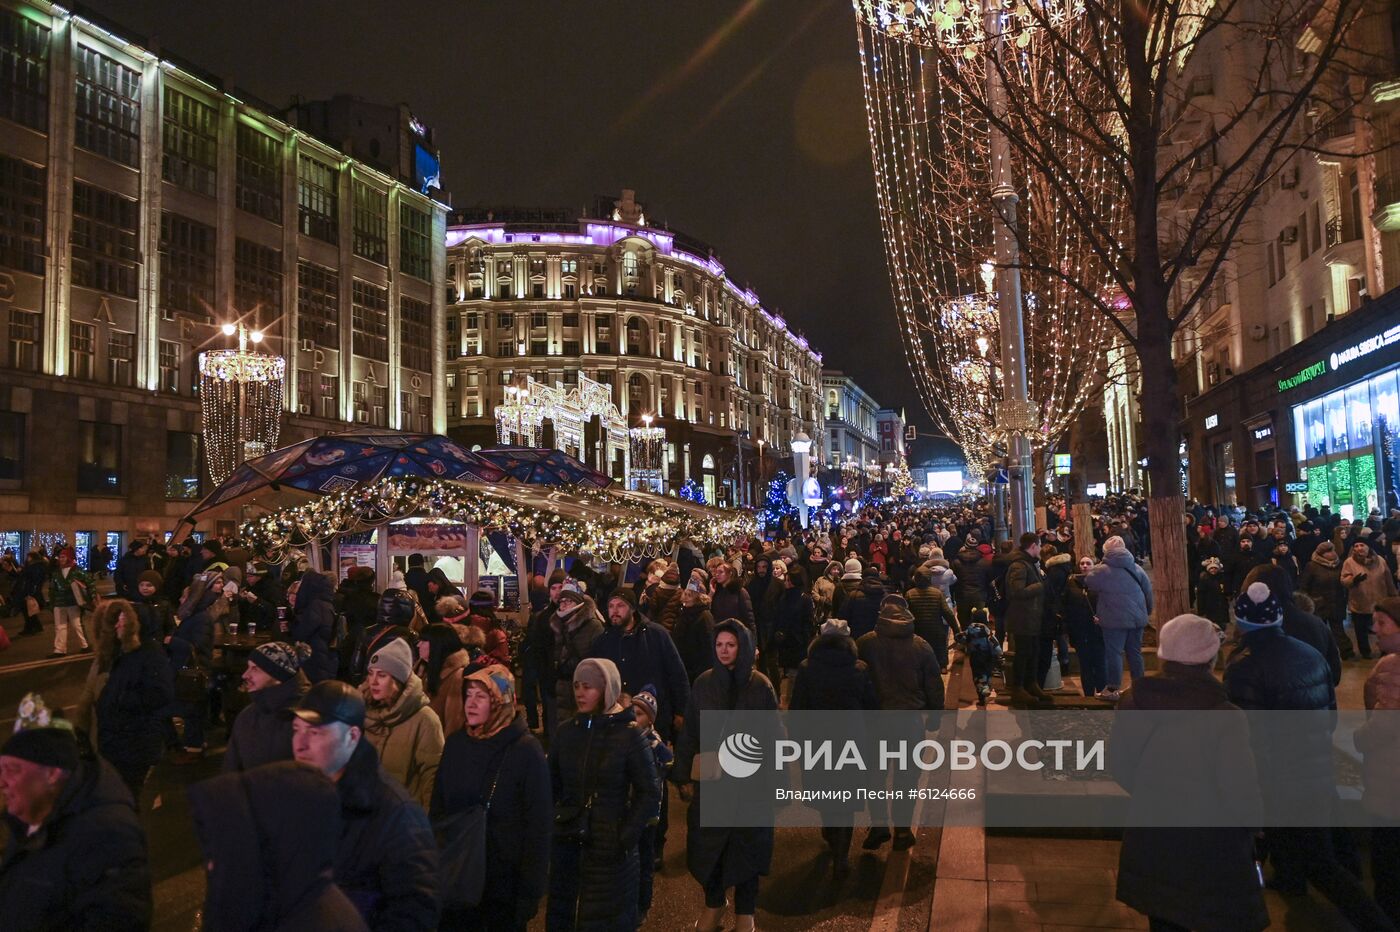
(983, 652)
(649, 845)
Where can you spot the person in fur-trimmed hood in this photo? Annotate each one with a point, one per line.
(575, 625)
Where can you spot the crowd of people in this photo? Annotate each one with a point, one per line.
(413, 757)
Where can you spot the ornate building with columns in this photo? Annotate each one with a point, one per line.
(143, 204)
(602, 297)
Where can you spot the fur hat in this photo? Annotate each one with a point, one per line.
(1189, 639)
(836, 626)
(152, 577)
(395, 659)
(1257, 607)
(396, 580)
(852, 569)
(280, 660)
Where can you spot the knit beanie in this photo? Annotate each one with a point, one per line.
(1257, 607)
(624, 595)
(280, 660)
(646, 700)
(572, 591)
(852, 570)
(1113, 545)
(836, 626)
(1189, 639)
(152, 577)
(396, 580)
(395, 659)
(699, 581)
(40, 738)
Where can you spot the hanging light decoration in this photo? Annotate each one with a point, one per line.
(240, 396)
(646, 445)
(520, 419)
(930, 143)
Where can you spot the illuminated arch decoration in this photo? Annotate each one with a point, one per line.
(569, 411)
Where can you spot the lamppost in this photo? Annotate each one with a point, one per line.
(801, 462)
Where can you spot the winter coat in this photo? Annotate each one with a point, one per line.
(833, 677)
(732, 601)
(971, 569)
(497, 641)
(793, 628)
(1078, 610)
(933, 617)
(1270, 670)
(862, 609)
(447, 702)
(1379, 739)
(140, 686)
(764, 593)
(573, 637)
(1056, 572)
(1297, 623)
(903, 665)
(1123, 590)
(271, 834)
(1025, 596)
(129, 569)
(1362, 596)
(61, 587)
(358, 602)
(1213, 598)
(943, 577)
(85, 869)
(647, 656)
(313, 624)
(387, 858)
(262, 732)
(693, 634)
(741, 854)
(605, 758)
(520, 820)
(408, 737)
(1201, 878)
(661, 605)
(1323, 584)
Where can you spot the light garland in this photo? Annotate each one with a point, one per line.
(240, 396)
(613, 526)
(520, 419)
(647, 444)
(931, 151)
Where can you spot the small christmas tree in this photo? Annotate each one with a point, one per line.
(776, 506)
(693, 492)
(901, 482)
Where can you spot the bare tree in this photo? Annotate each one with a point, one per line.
(1190, 156)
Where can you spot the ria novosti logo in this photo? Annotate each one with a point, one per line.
(740, 755)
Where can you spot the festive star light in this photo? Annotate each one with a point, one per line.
(933, 172)
(614, 526)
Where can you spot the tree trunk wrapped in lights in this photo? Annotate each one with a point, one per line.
(1185, 168)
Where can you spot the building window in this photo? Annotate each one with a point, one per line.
(121, 357)
(318, 212)
(191, 139)
(108, 107)
(258, 187)
(24, 62)
(11, 445)
(257, 282)
(505, 348)
(318, 305)
(99, 458)
(571, 318)
(539, 319)
(538, 348)
(369, 307)
(186, 266)
(82, 350)
(330, 396)
(105, 226)
(169, 366)
(22, 215)
(415, 335)
(24, 340)
(181, 465)
(571, 348)
(415, 242)
(505, 319)
(472, 321)
(371, 223)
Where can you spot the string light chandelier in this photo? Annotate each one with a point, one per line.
(240, 396)
(930, 144)
(646, 444)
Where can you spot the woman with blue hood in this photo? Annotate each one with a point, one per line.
(724, 858)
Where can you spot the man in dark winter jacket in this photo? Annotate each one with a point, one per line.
(537, 660)
(906, 675)
(269, 837)
(387, 860)
(862, 607)
(262, 732)
(1297, 623)
(971, 568)
(75, 854)
(1025, 618)
(933, 617)
(1274, 672)
(644, 654)
(133, 563)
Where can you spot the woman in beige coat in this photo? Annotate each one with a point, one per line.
(399, 721)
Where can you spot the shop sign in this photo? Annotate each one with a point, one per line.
(1263, 433)
(1062, 464)
(1211, 421)
(1365, 347)
(1307, 375)
(1295, 487)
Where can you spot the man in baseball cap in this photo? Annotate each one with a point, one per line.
(387, 860)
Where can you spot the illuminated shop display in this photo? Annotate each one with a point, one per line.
(1346, 446)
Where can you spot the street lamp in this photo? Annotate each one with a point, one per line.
(241, 395)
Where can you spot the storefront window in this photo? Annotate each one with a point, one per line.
(1335, 409)
(1359, 416)
(1387, 412)
(1225, 473)
(1316, 430)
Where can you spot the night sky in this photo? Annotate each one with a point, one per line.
(740, 122)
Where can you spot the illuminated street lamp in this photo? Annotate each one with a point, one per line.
(801, 462)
